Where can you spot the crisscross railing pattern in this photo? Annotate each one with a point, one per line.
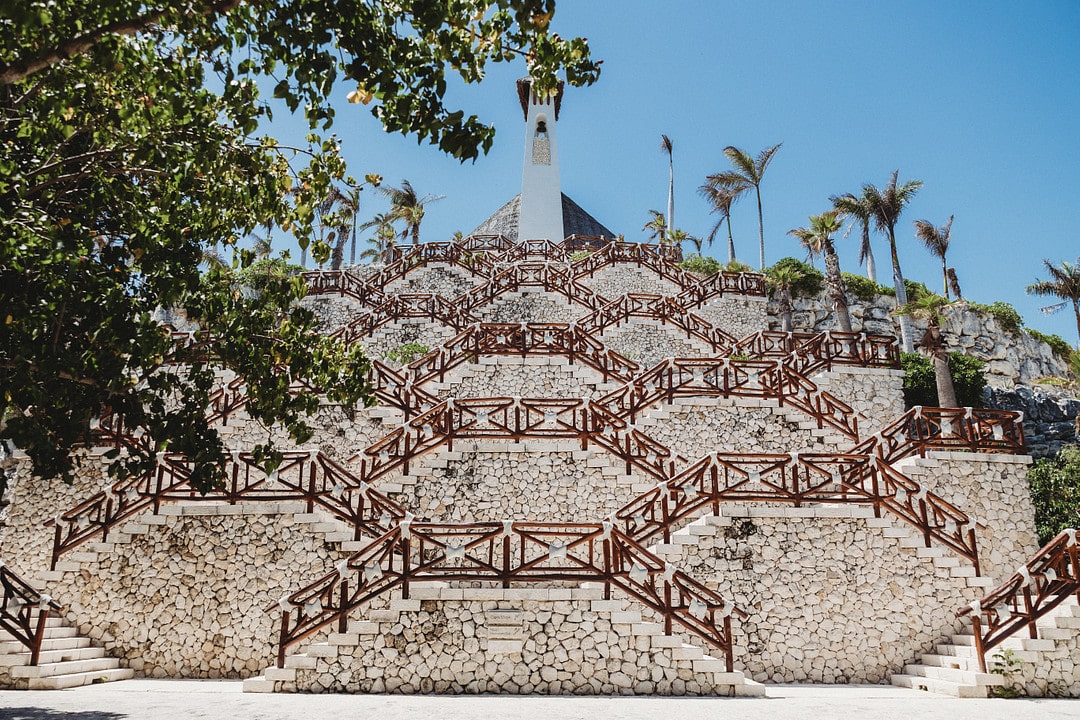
(661, 308)
(311, 477)
(809, 352)
(506, 553)
(1050, 577)
(17, 617)
(968, 429)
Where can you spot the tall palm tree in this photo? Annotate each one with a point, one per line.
(679, 236)
(721, 201)
(666, 146)
(860, 211)
(885, 206)
(1064, 283)
(379, 245)
(928, 308)
(657, 227)
(407, 206)
(746, 173)
(819, 238)
(936, 240)
(781, 280)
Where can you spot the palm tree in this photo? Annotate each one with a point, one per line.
(679, 236)
(657, 226)
(380, 244)
(721, 201)
(747, 173)
(666, 146)
(781, 280)
(885, 206)
(1064, 283)
(928, 308)
(936, 240)
(859, 210)
(407, 206)
(819, 239)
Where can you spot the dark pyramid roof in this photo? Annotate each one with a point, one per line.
(575, 221)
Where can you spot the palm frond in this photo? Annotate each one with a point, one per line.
(665, 144)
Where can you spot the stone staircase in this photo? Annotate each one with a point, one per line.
(495, 638)
(66, 660)
(953, 667)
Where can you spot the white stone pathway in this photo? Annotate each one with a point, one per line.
(193, 699)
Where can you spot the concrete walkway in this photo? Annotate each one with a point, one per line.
(192, 699)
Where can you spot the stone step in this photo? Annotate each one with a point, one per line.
(60, 643)
(957, 662)
(78, 679)
(46, 657)
(258, 684)
(940, 687)
(954, 675)
(69, 667)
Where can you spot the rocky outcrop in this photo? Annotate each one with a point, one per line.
(1049, 417)
(1012, 358)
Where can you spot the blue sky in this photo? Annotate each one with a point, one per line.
(979, 100)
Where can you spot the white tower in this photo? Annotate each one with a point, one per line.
(541, 215)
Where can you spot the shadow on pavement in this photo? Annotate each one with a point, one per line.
(32, 713)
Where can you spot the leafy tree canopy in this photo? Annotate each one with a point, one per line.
(128, 147)
(920, 388)
(1055, 492)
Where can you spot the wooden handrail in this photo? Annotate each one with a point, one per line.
(1045, 581)
(18, 602)
(506, 553)
(311, 477)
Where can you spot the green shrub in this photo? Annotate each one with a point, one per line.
(1055, 492)
(920, 388)
(406, 353)
(864, 288)
(736, 266)
(813, 281)
(1057, 344)
(580, 255)
(700, 264)
(915, 290)
(1003, 312)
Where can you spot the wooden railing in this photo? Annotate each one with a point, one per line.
(663, 309)
(17, 611)
(723, 377)
(506, 553)
(966, 429)
(809, 352)
(1044, 582)
(310, 477)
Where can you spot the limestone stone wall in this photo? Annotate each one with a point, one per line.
(533, 305)
(337, 433)
(647, 342)
(876, 395)
(993, 489)
(333, 311)
(518, 641)
(737, 315)
(1050, 416)
(831, 598)
(186, 596)
(694, 427)
(438, 278)
(411, 331)
(614, 281)
(538, 377)
(1055, 673)
(555, 482)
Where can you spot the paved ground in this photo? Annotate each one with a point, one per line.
(190, 700)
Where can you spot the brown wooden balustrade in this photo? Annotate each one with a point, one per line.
(809, 352)
(17, 611)
(725, 377)
(1049, 578)
(310, 477)
(965, 429)
(663, 309)
(797, 479)
(524, 340)
(506, 553)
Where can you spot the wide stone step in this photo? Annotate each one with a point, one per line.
(71, 667)
(940, 687)
(62, 643)
(14, 659)
(955, 675)
(61, 682)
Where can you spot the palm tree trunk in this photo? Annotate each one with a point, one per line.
(946, 392)
(730, 243)
(945, 276)
(761, 230)
(906, 343)
(785, 310)
(671, 195)
(871, 266)
(1076, 309)
(416, 234)
(836, 287)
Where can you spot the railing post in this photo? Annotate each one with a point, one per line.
(976, 627)
(729, 644)
(343, 616)
(282, 638)
(56, 544)
(506, 561)
(39, 633)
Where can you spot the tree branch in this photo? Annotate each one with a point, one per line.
(22, 69)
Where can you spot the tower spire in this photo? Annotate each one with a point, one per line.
(541, 216)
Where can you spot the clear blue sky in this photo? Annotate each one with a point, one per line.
(979, 99)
